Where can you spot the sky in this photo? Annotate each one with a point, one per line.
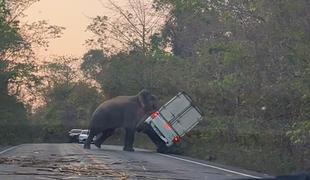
(71, 14)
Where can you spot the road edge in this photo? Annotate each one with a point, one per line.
(211, 166)
(9, 149)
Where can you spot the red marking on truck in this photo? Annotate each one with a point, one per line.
(176, 139)
(154, 114)
(167, 126)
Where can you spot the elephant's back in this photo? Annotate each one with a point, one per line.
(110, 113)
(118, 103)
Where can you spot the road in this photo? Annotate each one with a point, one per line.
(71, 161)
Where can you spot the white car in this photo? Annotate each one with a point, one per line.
(83, 135)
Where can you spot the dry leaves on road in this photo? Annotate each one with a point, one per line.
(62, 166)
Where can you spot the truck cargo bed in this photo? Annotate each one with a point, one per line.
(172, 121)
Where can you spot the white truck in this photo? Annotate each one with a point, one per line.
(172, 121)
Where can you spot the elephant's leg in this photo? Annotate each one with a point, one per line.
(129, 138)
(103, 136)
(91, 135)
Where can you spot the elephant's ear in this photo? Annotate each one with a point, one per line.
(142, 97)
(141, 101)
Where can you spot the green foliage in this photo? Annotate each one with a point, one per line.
(18, 77)
(12, 112)
(9, 36)
(93, 62)
(300, 133)
(245, 63)
(68, 106)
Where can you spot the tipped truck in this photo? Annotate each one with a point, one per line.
(172, 121)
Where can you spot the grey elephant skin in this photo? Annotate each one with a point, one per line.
(120, 112)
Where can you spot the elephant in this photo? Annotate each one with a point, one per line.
(120, 112)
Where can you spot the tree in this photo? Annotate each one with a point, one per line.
(18, 77)
(130, 28)
(69, 101)
(12, 112)
(19, 53)
(68, 106)
(245, 63)
(93, 63)
(249, 68)
(62, 69)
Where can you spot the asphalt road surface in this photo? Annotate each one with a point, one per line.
(71, 161)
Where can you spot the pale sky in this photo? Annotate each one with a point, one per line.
(71, 14)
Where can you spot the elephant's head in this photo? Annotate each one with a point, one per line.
(148, 101)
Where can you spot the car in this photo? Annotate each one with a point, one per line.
(74, 135)
(84, 135)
